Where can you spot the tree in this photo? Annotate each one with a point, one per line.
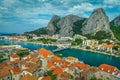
(77, 42)
(115, 48)
(1, 58)
(21, 53)
(49, 73)
(93, 78)
(87, 47)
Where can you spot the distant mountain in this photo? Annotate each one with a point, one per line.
(38, 31)
(115, 27)
(116, 21)
(65, 26)
(52, 27)
(97, 26)
(98, 21)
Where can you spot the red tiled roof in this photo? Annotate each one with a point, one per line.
(57, 70)
(81, 65)
(29, 77)
(46, 78)
(45, 52)
(13, 62)
(4, 72)
(14, 55)
(107, 45)
(34, 60)
(4, 64)
(106, 68)
(16, 70)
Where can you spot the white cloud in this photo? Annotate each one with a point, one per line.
(81, 9)
(112, 2)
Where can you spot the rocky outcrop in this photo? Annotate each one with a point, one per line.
(116, 21)
(52, 25)
(98, 21)
(62, 26)
(66, 25)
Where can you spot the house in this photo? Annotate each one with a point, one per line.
(16, 73)
(29, 77)
(105, 47)
(14, 57)
(110, 69)
(5, 74)
(18, 38)
(91, 43)
(46, 78)
(71, 59)
(45, 56)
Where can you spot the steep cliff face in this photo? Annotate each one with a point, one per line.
(98, 21)
(62, 26)
(66, 25)
(52, 27)
(115, 27)
(116, 21)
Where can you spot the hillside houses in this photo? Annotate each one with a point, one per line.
(35, 66)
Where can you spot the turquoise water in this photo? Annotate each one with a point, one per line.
(91, 58)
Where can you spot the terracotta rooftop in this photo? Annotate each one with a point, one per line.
(16, 70)
(13, 62)
(29, 77)
(107, 68)
(45, 52)
(57, 70)
(4, 64)
(14, 56)
(81, 65)
(46, 78)
(4, 72)
(34, 60)
(107, 45)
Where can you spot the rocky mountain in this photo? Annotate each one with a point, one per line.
(52, 27)
(115, 27)
(63, 26)
(66, 25)
(71, 24)
(98, 21)
(116, 21)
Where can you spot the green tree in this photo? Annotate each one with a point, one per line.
(21, 53)
(93, 78)
(115, 47)
(1, 58)
(116, 31)
(49, 73)
(87, 47)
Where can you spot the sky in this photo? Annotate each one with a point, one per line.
(18, 16)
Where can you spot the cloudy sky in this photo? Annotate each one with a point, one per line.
(18, 16)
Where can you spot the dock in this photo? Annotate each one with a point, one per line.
(60, 49)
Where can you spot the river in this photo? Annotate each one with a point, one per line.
(91, 58)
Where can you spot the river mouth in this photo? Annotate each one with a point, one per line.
(91, 58)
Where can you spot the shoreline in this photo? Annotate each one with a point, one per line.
(99, 52)
(105, 53)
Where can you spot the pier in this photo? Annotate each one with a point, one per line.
(60, 49)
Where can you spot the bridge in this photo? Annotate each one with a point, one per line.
(60, 49)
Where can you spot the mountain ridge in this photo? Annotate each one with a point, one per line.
(72, 24)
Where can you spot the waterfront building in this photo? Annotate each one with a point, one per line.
(71, 59)
(105, 47)
(110, 69)
(18, 38)
(91, 43)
